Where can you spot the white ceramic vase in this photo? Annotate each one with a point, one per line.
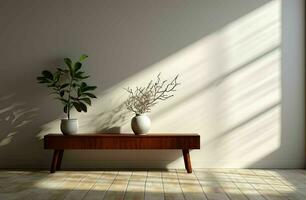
(141, 124)
(69, 126)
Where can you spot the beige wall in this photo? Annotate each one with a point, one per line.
(240, 64)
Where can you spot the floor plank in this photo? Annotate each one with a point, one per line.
(243, 180)
(83, 186)
(210, 183)
(98, 191)
(50, 186)
(207, 184)
(118, 188)
(136, 186)
(172, 188)
(21, 187)
(191, 188)
(154, 186)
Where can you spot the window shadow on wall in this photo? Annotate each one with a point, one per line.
(229, 72)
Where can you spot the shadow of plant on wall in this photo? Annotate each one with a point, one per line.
(230, 80)
(110, 121)
(106, 121)
(13, 118)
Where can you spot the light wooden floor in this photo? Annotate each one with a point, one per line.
(210, 184)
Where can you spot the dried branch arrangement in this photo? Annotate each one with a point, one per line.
(142, 99)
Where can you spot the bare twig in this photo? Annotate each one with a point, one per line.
(142, 99)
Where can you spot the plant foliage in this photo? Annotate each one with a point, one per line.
(69, 86)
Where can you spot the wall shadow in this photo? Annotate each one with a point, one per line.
(185, 42)
(14, 117)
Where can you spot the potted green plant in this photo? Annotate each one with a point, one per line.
(69, 86)
(142, 99)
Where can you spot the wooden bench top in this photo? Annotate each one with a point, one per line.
(60, 142)
(122, 141)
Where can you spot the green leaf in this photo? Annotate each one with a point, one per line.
(83, 84)
(87, 88)
(62, 93)
(79, 92)
(64, 85)
(74, 98)
(62, 70)
(84, 77)
(77, 66)
(86, 100)
(83, 57)
(47, 74)
(51, 85)
(43, 80)
(79, 74)
(89, 94)
(57, 76)
(68, 62)
(83, 106)
(77, 106)
(75, 85)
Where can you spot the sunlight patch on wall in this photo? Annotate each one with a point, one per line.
(230, 93)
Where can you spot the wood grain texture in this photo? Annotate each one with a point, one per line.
(60, 142)
(122, 141)
(187, 160)
(206, 184)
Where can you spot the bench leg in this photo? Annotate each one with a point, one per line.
(187, 160)
(54, 160)
(59, 159)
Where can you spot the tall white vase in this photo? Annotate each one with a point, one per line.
(69, 126)
(141, 124)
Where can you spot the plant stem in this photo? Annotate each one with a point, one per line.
(69, 97)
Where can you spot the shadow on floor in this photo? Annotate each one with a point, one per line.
(176, 184)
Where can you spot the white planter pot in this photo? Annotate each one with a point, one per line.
(141, 124)
(69, 126)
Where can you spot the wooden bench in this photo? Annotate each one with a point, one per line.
(59, 143)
